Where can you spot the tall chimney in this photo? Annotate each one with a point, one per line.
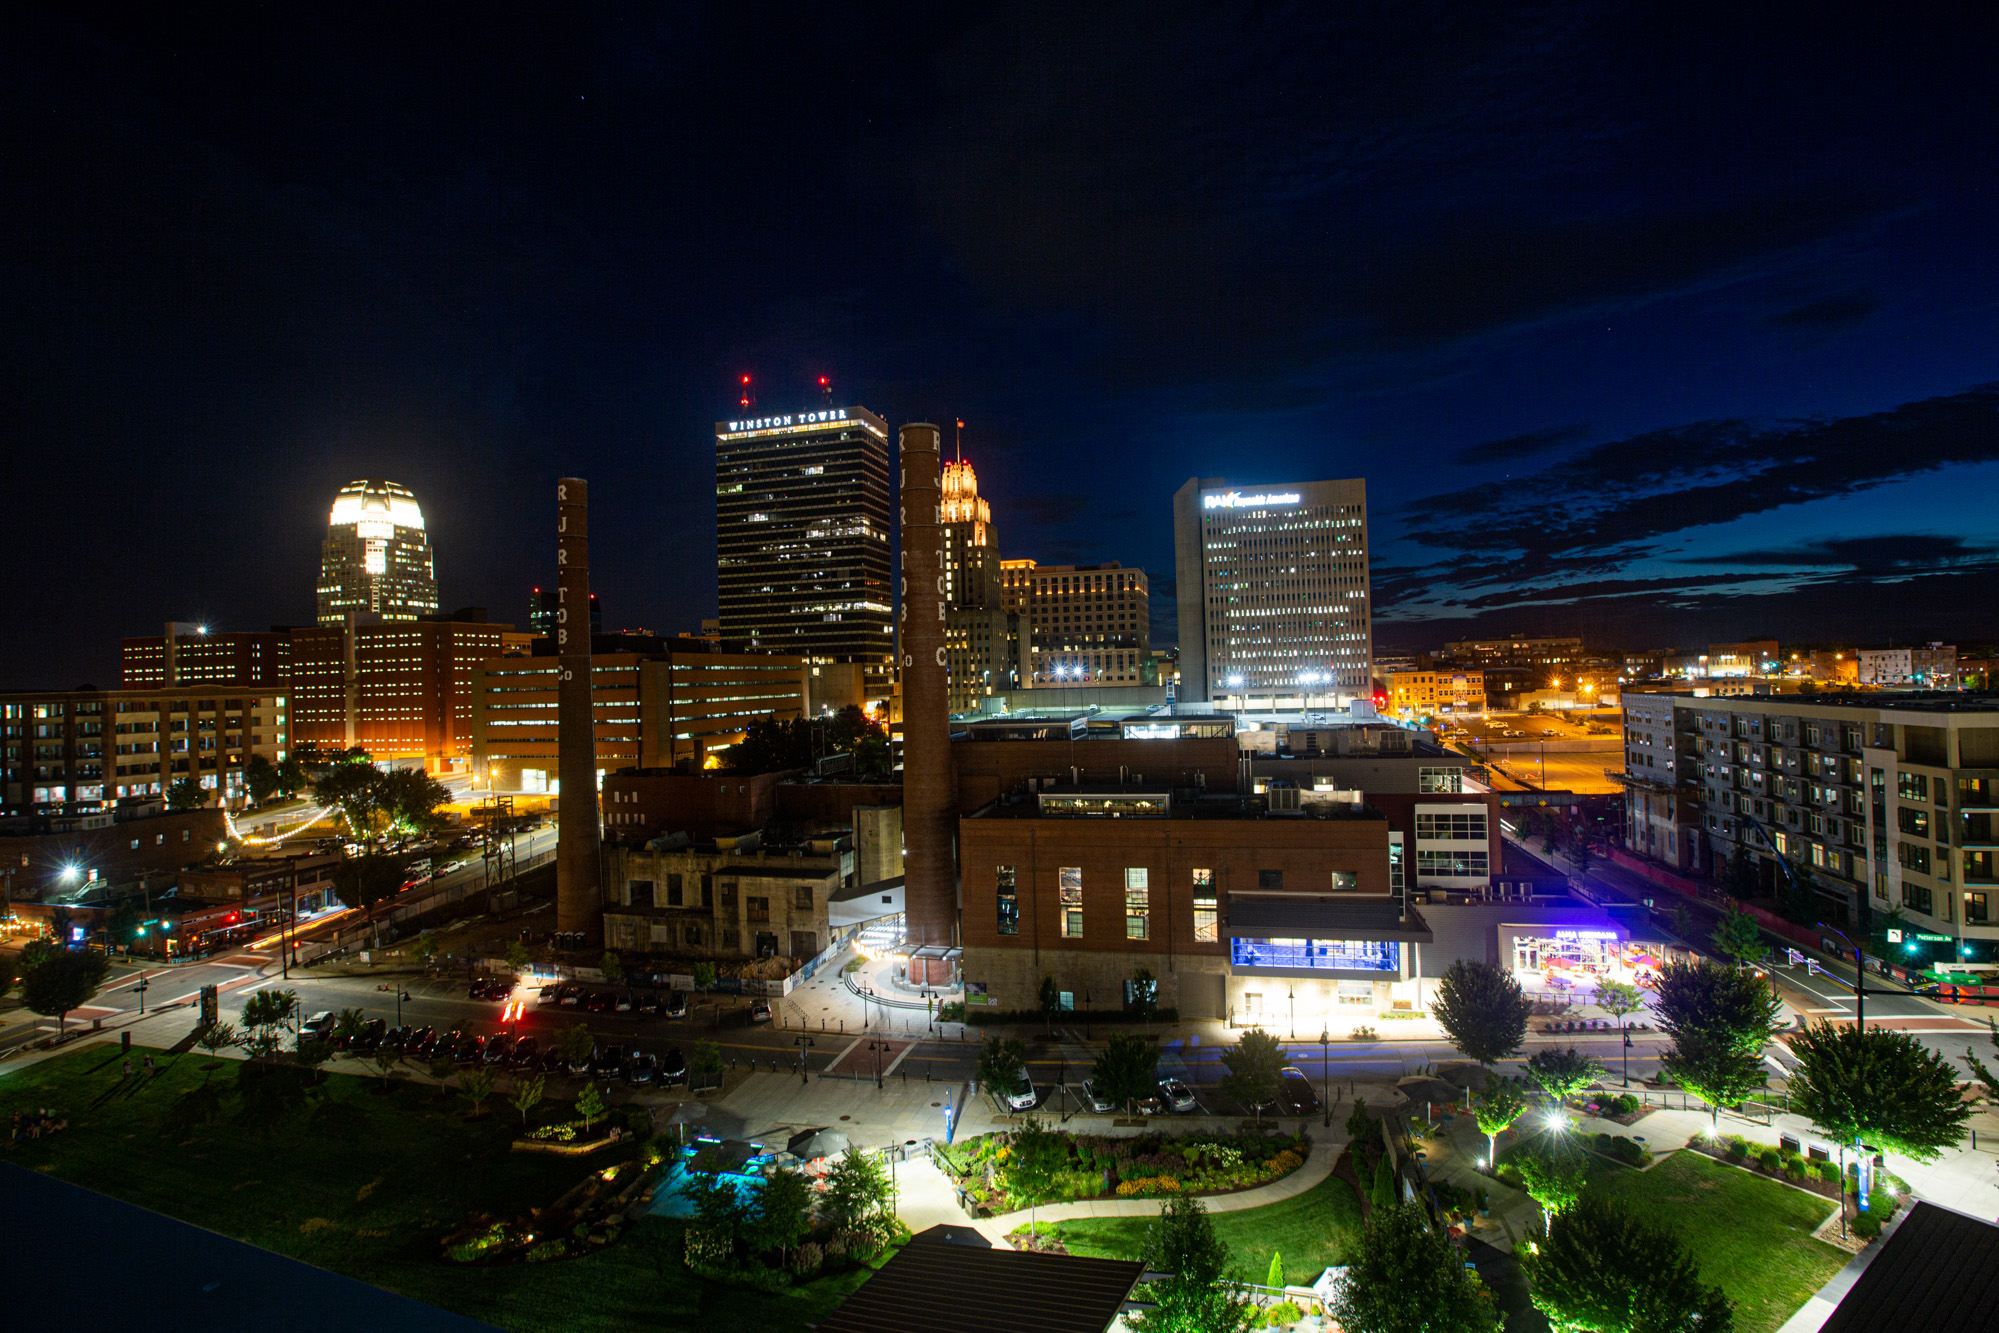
(579, 902)
(929, 787)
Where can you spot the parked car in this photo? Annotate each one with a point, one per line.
(1295, 1093)
(585, 1067)
(552, 1061)
(1177, 1096)
(471, 1050)
(675, 1005)
(672, 1067)
(395, 1039)
(599, 1002)
(1023, 1096)
(526, 1052)
(570, 995)
(320, 1024)
(625, 1002)
(611, 1061)
(759, 1011)
(370, 1037)
(649, 1004)
(548, 995)
(498, 1047)
(641, 1069)
(1093, 1101)
(421, 1043)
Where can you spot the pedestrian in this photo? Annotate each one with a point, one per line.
(128, 1069)
(150, 1071)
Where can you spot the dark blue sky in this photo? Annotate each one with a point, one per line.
(1652, 323)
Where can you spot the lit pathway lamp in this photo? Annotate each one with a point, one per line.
(1325, 1075)
(804, 1044)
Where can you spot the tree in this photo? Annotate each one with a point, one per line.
(1128, 1070)
(859, 1192)
(348, 1025)
(590, 1105)
(1051, 1002)
(575, 1042)
(1555, 1176)
(1564, 1073)
(1275, 1277)
(1714, 1071)
(349, 787)
(1002, 1062)
(216, 1038)
(290, 776)
(260, 778)
(517, 955)
(528, 1094)
(1496, 1109)
(1197, 1295)
(385, 1061)
(1598, 1268)
(1877, 1087)
(704, 976)
(1482, 1010)
(1978, 1069)
(1253, 1063)
(1705, 1000)
(363, 881)
(10, 971)
(186, 794)
(1382, 1191)
(770, 746)
(1035, 1155)
(1618, 998)
(784, 1212)
(1406, 1278)
(1737, 936)
(265, 1014)
(408, 798)
(613, 970)
(476, 1085)
(707, 1064)
(423, 948)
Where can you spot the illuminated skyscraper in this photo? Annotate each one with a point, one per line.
(802, 526)
(375, 562)
(1273, 592)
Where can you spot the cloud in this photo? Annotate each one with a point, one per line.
(1619, 494)
(1828, 316)
(1515, 447)
(1892, 554)
(1048, 508)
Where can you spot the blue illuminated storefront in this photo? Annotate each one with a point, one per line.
(1383, 956)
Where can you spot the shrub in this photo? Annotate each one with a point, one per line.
(1734, 1147)
(954, 1012)
(1284, 1312)
(1628, 1151)
(1829, 1172)
(808, 1259)
(835, 1248)
(638, 1120)
(1509, 1175)
(1770, 1160)
(1867, 1226)
(552, 1248)
(1148, 1185)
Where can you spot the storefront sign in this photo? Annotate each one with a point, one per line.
(1585, 934)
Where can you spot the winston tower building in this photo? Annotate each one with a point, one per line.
(1273, 592)
(802, 534)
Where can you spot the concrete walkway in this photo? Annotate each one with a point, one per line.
(1318, 1165)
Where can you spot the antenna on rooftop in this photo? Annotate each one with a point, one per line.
(825, 390)
(961, 441)
(749, 395)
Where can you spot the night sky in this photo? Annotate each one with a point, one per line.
(1649, 324)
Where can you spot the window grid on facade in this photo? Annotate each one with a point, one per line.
(1137, 903)
(1206, 917)
(1071, 887)
(1009, 900)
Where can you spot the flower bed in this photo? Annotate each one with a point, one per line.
(587, 1218)
(1821, 1178)
(1143, 1166)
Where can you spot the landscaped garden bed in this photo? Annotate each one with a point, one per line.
(1099, 1166)
(1820, 1178)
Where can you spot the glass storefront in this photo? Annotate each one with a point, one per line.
(1318, 955)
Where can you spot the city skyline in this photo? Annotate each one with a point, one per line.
(1636, 358)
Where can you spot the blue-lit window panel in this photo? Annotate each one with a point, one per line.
(1321, 955)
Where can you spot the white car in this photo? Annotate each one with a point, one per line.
(1023, 1097)
(1177, 1095)
(1093, 1101)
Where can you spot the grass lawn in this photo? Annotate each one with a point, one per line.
(1311, 1231)
(366, 1185)
(1750, 1236)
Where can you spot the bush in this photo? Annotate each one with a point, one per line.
(1770, 1160)
(552, 1248)
(638, 1120)
(808, 1259)
(1867, 1226)
(1628, 1151)
(1829, 1172)
(1284, 1312)
(1509, 1176)
(954, 1012)
(1735, 1148)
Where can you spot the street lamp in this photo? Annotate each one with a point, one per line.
(1325, 1076)
(803, 1043)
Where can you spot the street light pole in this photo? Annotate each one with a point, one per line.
(803, 1043)
(1325, 1076)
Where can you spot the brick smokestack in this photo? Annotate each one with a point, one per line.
(579, 900)
(929, 788)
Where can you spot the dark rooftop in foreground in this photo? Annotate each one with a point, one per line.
(1939, 1273)
(172, 1277)
(938, 1282)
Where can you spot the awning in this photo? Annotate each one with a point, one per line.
(1324, 918)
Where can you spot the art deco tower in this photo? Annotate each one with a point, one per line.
(375, 561)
